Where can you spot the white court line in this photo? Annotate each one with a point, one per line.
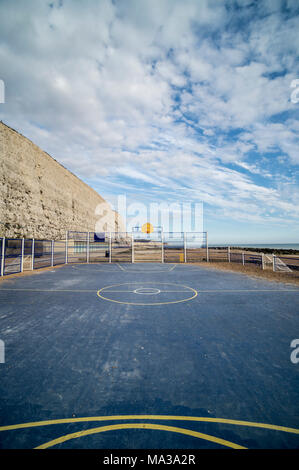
(203, 291)
(97, 266)
(145, 273)
(105, 266)
(141, 270)
(120, 267)
(145, 270)
(171, 269)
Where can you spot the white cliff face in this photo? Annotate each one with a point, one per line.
(40, 198)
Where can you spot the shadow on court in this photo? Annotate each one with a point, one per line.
(148, 356)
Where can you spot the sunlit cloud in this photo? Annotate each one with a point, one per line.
(162, 100)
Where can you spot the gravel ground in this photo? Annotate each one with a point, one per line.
(253, 271)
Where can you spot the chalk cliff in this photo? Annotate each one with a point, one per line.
(40, 198)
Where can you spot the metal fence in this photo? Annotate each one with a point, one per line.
(286, 264)
(42, 254)
(18, 255)
(11, 260)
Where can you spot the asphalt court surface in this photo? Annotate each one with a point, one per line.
(146, 355)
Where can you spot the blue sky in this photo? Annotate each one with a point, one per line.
(165, 102)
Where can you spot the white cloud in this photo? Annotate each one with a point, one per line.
(158, 91)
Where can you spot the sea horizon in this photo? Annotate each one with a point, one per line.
(284, 246)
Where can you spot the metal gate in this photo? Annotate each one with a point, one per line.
(147, 247)
(12, 255)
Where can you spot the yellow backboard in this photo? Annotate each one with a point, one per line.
(147, 228)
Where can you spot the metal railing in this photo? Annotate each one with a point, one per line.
(18, 255)
(288, 264)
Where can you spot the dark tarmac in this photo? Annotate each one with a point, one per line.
(148, 356)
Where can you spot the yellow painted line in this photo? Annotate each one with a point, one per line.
(99, 294)
(161, 291)
(157, 427)
(220, 291)
(248, 290)
(49, 290)
(150, 417)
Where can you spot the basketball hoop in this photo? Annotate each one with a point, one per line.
(147, 228)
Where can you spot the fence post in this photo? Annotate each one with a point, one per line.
(207, 247)
(185, 248)
(22, 255)
(3, 256)
(243, 258)
(162, 241)
(52, 253)
(132, 235)
(66, 247)
(110, 247)
(228, 253)
(263, 261)
(87, 248)
(32, 254)
(273, 262)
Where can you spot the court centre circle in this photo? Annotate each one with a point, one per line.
(147, 291)
(165, 293)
